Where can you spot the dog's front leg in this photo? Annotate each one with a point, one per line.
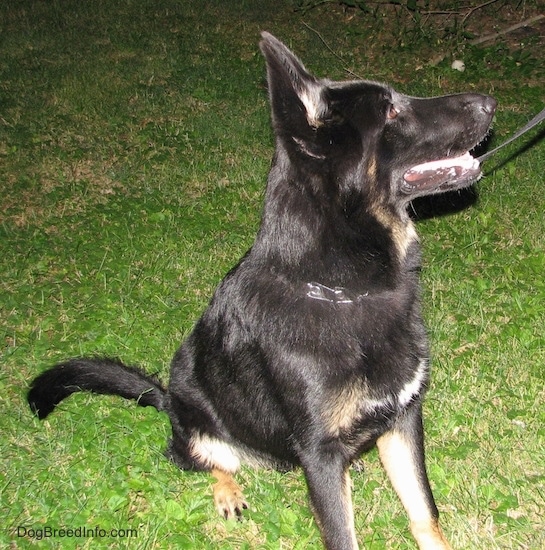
(330, 489)
(402, 454)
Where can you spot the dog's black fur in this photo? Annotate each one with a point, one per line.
(313, 348)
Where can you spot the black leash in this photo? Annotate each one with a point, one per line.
(534, 122)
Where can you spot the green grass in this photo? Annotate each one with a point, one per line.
(134, 148)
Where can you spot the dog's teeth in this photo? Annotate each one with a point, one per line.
(464, 161)
(448, 167)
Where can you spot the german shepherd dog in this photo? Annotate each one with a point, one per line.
(313, 348)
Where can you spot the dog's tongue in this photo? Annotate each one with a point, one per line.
(439, 172)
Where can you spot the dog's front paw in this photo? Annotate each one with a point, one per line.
(228, 497)
(429, 536)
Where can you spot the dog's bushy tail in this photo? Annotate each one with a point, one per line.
(107, 376)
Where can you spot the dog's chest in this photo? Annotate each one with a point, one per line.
(357, 411)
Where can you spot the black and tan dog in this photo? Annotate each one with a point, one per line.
(313, 348)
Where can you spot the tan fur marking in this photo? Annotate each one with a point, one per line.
(372, 169)
(349, 509)
(429, 536)
(403, 232)
(343, 408)
(228, 497)
(311, 98)
(397, 457)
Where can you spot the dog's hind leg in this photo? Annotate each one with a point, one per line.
(205, 453)
(331, 499)
(228, 497)
(402, 454)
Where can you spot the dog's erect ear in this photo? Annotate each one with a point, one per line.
(296, 96)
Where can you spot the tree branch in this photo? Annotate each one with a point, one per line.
(493, 36)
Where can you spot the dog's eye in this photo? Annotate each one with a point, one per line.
(392, 112)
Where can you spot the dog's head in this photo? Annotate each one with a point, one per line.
(364, 137)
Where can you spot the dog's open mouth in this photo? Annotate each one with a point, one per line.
(448, 172)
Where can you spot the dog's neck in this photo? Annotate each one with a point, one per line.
(337, 295)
